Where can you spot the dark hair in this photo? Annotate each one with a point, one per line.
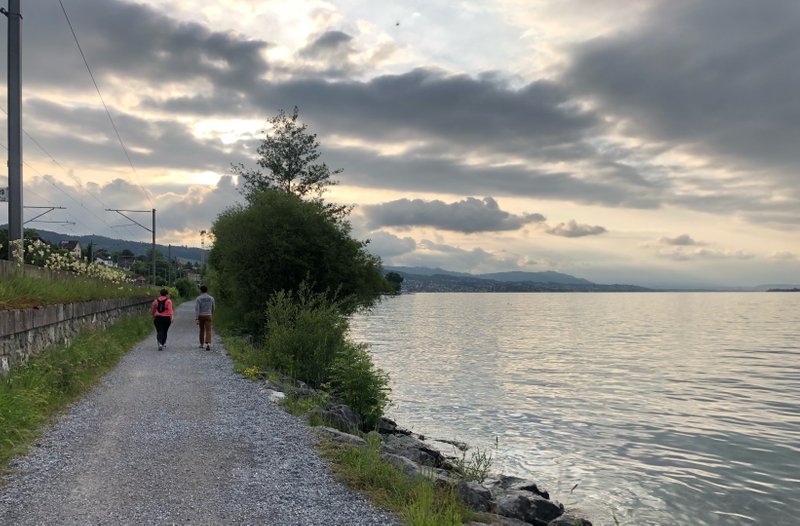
(203, 289)
(164, 292)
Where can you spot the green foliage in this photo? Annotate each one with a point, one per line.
(19, 292)
(278, 241)
(306, 338)
(359, 384)
(29, 234)
(304, 334)
(30, 394)
(417, 500)
(395, 281)
(476, 467)
(186, 288)
(174, 294)
(289, 154)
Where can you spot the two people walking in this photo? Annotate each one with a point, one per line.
(163, 316)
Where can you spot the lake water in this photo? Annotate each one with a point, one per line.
(663, 408)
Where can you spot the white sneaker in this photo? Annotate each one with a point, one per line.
(160, 347)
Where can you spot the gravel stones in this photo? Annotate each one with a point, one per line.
(177, 437)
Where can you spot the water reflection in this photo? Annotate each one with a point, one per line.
(663, 408)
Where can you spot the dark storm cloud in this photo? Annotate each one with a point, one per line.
(329, 45)
(469, 216)
(457, 111)
(85, 135)
(718, 76)
(432, 174)
(133, 41)
(423, 105)
(684, 240)
(573, 229)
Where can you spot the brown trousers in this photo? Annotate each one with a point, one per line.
(205, 329)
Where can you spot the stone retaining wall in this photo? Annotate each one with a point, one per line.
(26, 332)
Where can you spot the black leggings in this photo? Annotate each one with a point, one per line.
(162, 324)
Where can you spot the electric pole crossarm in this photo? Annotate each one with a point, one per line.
(47, 211)
(152, 230)
(120, 212)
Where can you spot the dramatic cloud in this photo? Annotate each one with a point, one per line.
(469, 216)
(573, 229)
(638, 118)
(135, 42)
(716, 76)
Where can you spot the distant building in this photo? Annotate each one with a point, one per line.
(140, 280)
(73, 247)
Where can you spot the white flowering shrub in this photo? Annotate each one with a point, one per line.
(44, 255)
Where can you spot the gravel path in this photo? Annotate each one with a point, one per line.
(175, 437)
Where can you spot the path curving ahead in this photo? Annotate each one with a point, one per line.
(175, 437)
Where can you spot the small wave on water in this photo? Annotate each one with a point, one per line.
(663, 408)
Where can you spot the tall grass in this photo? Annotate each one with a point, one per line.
(306, 338)
(418, 500)
(20, 292)
(32, 393)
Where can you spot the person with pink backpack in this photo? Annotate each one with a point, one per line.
(162, 317)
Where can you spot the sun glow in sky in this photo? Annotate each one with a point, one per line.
(651, 142)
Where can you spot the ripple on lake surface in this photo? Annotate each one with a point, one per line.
(664, 408)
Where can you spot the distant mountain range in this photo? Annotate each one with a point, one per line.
(139, 248)
(424, 279)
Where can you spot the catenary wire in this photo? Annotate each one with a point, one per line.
(105, 106)
(39, 145)
(49, 180)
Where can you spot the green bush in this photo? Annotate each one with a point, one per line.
(359, 384)
(305, 332)
(306, 338)
(186, 288)
(275, 242)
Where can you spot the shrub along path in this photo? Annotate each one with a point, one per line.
(177, 437)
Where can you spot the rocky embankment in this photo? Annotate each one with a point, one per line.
(505, 500)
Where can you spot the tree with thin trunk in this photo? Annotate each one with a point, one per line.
(288, 158)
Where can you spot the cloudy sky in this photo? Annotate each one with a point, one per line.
(622, 141)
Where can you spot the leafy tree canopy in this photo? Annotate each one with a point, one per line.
(288, 157)
(276, 242)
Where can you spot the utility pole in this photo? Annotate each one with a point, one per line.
(14, 15)
(153, 230)
(154, 246)
(202, 252)
(169, 266)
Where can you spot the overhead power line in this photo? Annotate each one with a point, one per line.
(37, 143)
(105, 106)
(49, 180)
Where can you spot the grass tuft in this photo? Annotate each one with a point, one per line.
(418, 500)
(32, 393)
(21, 292)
